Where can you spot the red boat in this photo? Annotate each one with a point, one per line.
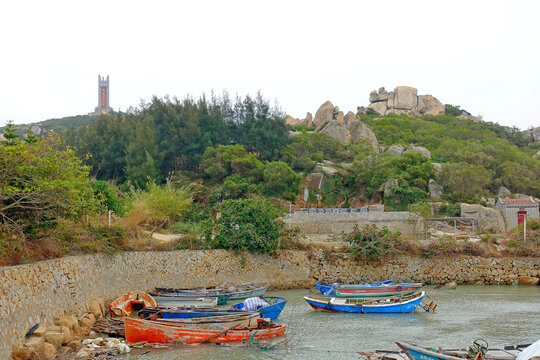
(133, 301)
(138, 330)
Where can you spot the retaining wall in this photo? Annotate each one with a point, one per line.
(334, 224)
(30, 294)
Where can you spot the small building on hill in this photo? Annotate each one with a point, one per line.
(516, 210)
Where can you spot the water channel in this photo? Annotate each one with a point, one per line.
(502, 315)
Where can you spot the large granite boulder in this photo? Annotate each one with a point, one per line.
(390, 187)
(488, 220)
(337, 131)
(395, 150)
(422, 150)
(406, 97)
(435, 190)
(324, 114)
(359, 130)
(503, 191)
(289, 120)
(428, 105)
(536, 134)
(379, 107)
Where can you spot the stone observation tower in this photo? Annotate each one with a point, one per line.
(103, 96)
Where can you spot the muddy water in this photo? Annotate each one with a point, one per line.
(502, 315)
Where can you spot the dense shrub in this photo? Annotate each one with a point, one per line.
(246, 224)
(371, 242)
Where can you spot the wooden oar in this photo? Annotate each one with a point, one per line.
(216, 335)
(439, 286)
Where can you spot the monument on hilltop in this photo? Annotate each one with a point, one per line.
(103, 96)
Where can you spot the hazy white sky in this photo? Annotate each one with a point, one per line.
(482, 55)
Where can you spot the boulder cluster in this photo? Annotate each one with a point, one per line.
(69, 334)
(330, 120)
(404, 100)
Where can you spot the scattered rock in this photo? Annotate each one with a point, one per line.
(22, 353)
(97, 307)
(75, 344)
(54, 338)
(66, 320)
(451, 285)
(41, 330)
(84, 353)
(64, 350)
(437, 166)
(34, 341)
(435, 190)
(87, 322)
(46, 350)
(503, 191)
(123, 349)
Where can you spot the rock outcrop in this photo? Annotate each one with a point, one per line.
(344, 128)
(535, 133)
(307, 121)
(435, 190)
(404, 100)
(503, 191)
(488, 220)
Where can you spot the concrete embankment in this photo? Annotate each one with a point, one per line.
(39, 292)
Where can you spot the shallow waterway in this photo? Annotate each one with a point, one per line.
(502, 315)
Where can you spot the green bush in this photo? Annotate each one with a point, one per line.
(371, 242)
(246, 224)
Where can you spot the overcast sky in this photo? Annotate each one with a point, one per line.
(481, 55)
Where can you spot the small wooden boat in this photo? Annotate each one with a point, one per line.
(169, 302)
(242, 320)
(328, 289)
(233, 292)
(272, 311)
(222, 298)
(188, 313)
(138, 330)
(133, 301)
(398, 304)
(414, 352)
(363, 291)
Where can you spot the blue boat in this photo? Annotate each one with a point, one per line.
(329, 289)
(272, 311)
(397, 304)
(188, 313)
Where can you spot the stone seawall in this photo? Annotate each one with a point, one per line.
(30, 294)
(334, 224)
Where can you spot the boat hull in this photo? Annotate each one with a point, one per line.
(377, 291)
(130, 302)
(221, 298)
(389, 305)
(138, 330)
(328, 289)
(166, 302)
(417, 353)
(272, 311)
(241, 320)
(188, 313)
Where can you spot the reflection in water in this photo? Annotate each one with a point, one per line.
(502, 315)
